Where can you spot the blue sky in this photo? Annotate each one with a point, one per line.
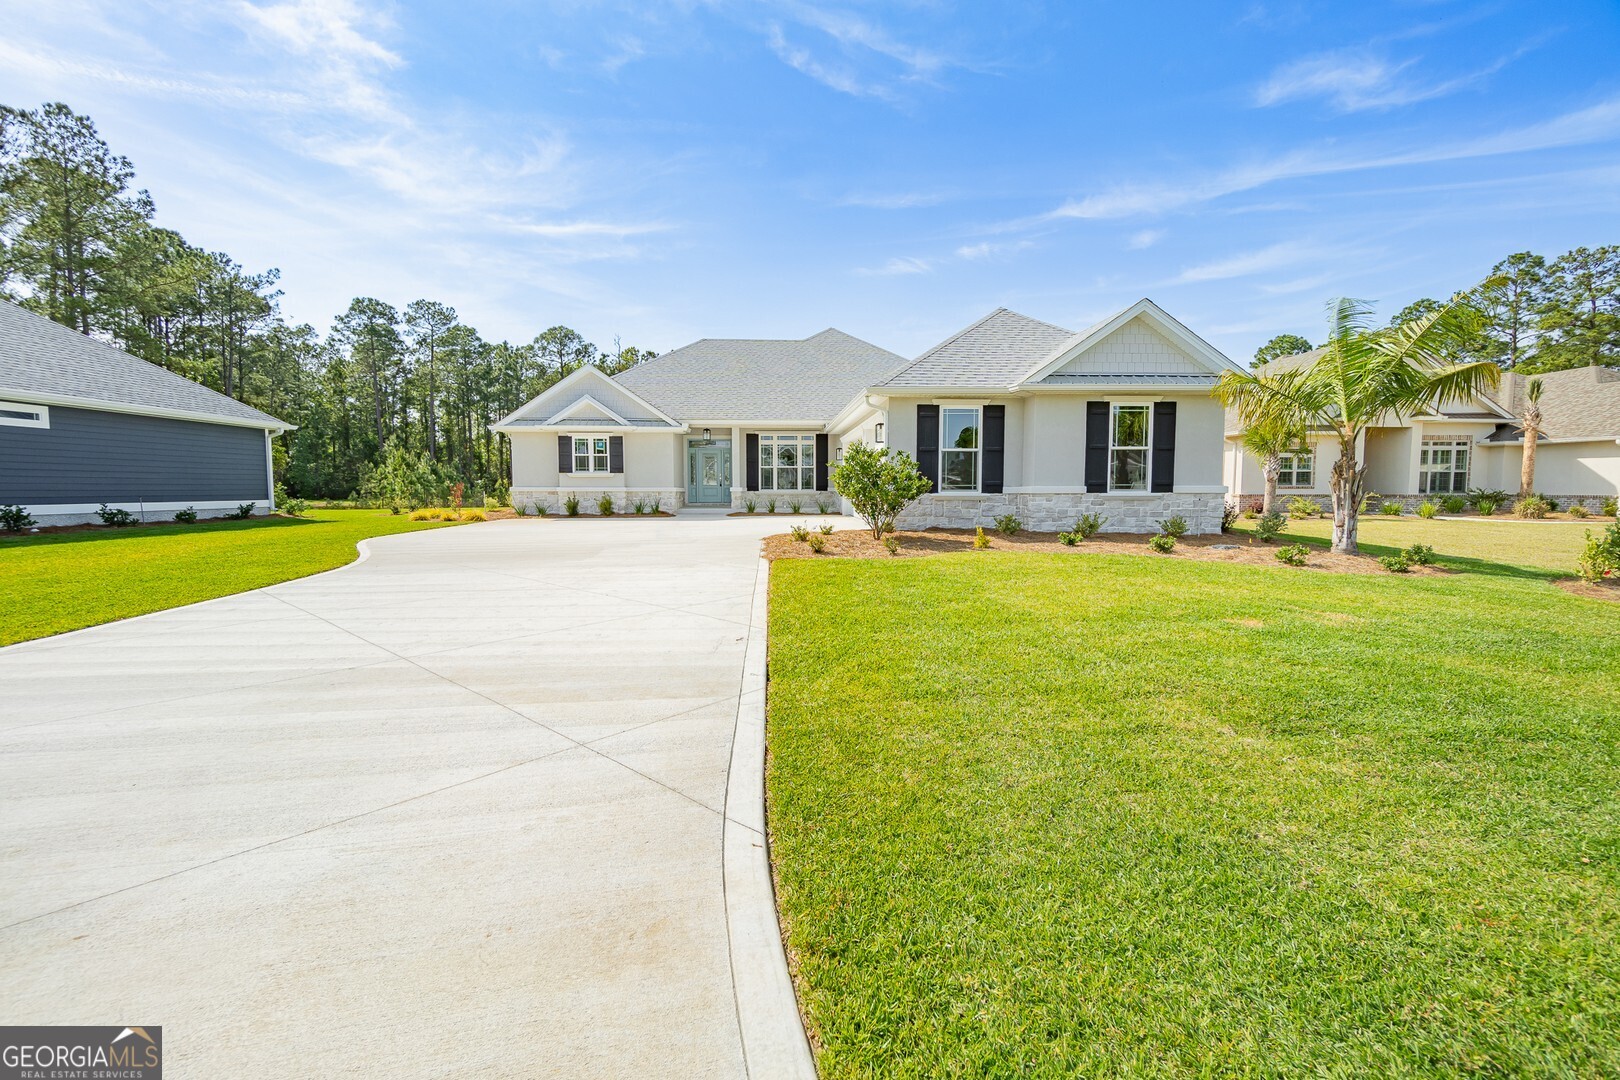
(669, 171)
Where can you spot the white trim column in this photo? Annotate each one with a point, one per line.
(739, 468)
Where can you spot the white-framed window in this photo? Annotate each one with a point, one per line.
(787, 463)
(18, 414)
(1443, 466)
(1298, 469)
(590, 453)
(1128, 447)
(959, 448)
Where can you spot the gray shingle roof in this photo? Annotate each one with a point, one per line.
(39, 357)
(996, 351)
(761, 379)
(1581, 403)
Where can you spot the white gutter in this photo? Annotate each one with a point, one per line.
(98, 405)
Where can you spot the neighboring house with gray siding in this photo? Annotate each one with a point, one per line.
(83, 423)
(1010, 415)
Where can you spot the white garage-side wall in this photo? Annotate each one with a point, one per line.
(652, 469)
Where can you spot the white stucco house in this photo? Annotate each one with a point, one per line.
(1474, 443)
(1009, 415)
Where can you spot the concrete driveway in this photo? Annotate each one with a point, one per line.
(459, 809)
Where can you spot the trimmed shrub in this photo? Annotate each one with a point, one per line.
(1395, 564)
(424, 515)
(1495, 497)
(1301, 507)
(1089, 525)
(980, 541)
(1269, 527)
(604, 506)
(1419, 555)
(1611, 507)
(1229, 516)
(1577, 510)
(1600, 558)
(13, 518)
(1391, 508)
(1293, 554)
(1530, 508)
(188, 516)
(474, 515)
(892, 544)
(1551, 503)
(800, 533)
(571, 506)
(824, 530)
(1428, 508)
(1069, 538)
(1008, 525)
(1487, 505)
(1163, 543)
(817, 543)
(1175, 526)
(119, 519)
(1453, 504)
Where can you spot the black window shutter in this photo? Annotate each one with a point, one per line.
(995, 449)
(751, 441)
(1163, 467)
(928, 444)
(565, 453)
(1096, 446)
(1163, 475)
(615, 453)
(821, 462)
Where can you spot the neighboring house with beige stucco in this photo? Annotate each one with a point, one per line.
(1009, 415)
(1461, 445)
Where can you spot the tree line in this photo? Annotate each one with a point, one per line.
(1530, 314)
(385, 390)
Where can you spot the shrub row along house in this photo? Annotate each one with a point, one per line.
(1462, 445)
(84, 424)
(1010, 415)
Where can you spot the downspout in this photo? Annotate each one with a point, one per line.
(269, 471)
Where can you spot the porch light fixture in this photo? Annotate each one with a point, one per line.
(705, 434)
(877, 432)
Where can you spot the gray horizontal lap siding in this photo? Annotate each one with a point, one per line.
(87, 456)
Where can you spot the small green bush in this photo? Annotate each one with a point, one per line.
(655, 505)
(1008, 525)
(1486, 500)
(817, 542)
(1428, 508)
(1293, 554)
(1453, 504)
(1163, 543)
(1251, 513)
(1069, 538)
(1089, 525)
(639, 507)
(892, 544)
(1551, 503)
(604, 506)
(13, 518)
(1174, 527)
(242, 512)
(824, 530)
(1395, 564)
(521, 509)
(571, 506)
(116, 519)
(1301, 507)
(795, 506)
(750, 505)
(1392, 508)
(1577, 510)
(770, 506)
(188, 516)
(1486, 505)
(1600, 558)
(800, 533)
(1269, 527)
(980, 541)
(1419, 555)
(1611, 507)
(1530, 508)
(1229, 516)
(821, 506)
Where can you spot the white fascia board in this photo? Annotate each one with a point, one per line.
(97, 405)
(587, 425)
(588, 372)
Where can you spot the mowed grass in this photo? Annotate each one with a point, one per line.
(1059, 815)
(1544, 545)
(54, 582)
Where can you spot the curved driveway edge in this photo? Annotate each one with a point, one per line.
(773, 1036)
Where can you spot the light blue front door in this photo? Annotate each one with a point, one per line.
(708, 474)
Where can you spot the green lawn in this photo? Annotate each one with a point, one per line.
(63, 581)
(1059, 815)
(1548, 545)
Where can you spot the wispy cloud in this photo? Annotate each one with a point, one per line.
(856, 56)
(897, 266)
(1288, 253)
(902, 200)
(1596, 123)
(1139, 241)
(1352, 80)
(988, 250)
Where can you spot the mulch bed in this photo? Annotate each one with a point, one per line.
(1606, 590)
(859, 544)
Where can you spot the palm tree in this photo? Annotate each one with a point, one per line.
(1366, 376)
(1268, 443)
(1532, 432)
